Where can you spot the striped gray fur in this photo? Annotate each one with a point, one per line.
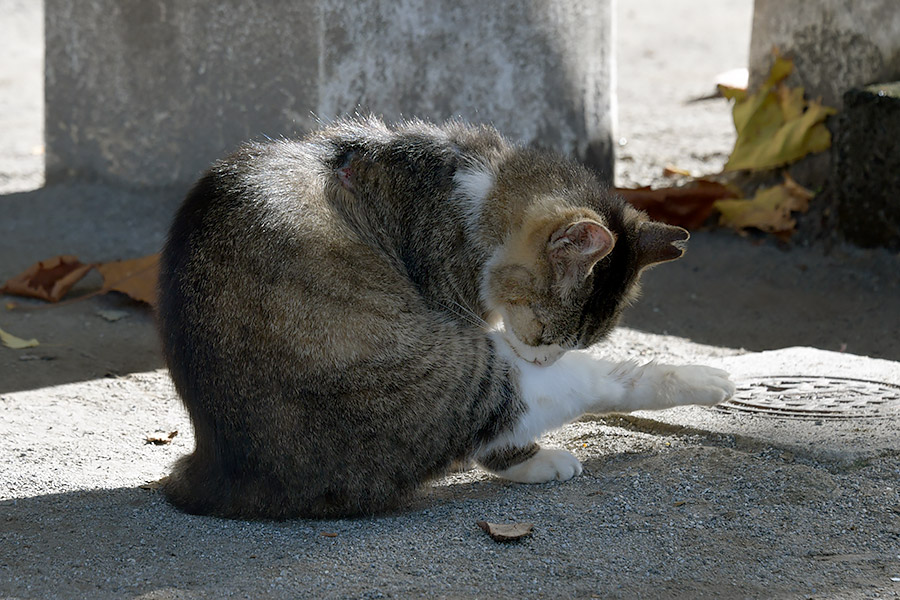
(323, 314)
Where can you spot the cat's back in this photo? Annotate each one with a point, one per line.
(263, 188)
(294, 332)
(255, 258)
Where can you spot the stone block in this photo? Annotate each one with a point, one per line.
(149, 93)
(836, 44)
(867, 166)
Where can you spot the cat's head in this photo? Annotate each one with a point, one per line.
(563, 276)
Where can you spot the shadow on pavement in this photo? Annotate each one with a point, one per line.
(731, 292)
(96, 223)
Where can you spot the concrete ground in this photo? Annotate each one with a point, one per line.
(790, 491)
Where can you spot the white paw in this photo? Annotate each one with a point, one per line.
(548, 464)
(695, 384)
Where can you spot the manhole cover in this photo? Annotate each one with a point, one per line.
(811, 397)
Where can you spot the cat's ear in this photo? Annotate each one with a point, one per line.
(575, 248)
(658, 242)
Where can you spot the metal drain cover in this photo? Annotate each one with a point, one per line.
(814, 397)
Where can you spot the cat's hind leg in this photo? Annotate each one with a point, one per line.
(531, 464)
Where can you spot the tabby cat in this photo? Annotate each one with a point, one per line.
(346, 316)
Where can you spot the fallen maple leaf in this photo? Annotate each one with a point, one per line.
(16, 343)
(48, 279)
(506, 532)
(136, 277)
(776, 126)
(769, 210)
(686, 206)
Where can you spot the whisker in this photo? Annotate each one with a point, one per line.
(465, 313)
(472, 314)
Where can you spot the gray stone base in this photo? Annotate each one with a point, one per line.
(867, 166)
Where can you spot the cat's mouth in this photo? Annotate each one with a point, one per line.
(542, 356)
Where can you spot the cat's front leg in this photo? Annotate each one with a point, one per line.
(531, 464)
(665, 386)
(581, 382)
(653, 387)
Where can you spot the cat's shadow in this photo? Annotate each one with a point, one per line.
(131, 539)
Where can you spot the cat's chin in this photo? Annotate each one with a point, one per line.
(541, 356)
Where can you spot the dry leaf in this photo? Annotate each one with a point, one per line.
(112, 315)
(49, 279)
(11, 341)
(154, 485)
(673, 171)
(161, 441)
(506, 532)
(769, 210)
(686, 206)
(776, 126)
(732, 81)
(137, 277)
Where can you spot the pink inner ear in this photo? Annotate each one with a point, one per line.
(574, 250)
(345, 174)
(590, 238)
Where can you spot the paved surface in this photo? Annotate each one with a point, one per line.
(795, 496)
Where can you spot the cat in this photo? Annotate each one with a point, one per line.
(346, 315)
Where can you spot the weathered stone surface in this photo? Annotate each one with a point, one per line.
(149, 93)
(152, 92)
(836, 45)
(867, 166)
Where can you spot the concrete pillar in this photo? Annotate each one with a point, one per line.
(149, 92)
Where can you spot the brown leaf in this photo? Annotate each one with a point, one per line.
(769, 210)
(48, 279)
(686, 206)
(136, 278)
(154, 485)
(161, 441)
(506, 532)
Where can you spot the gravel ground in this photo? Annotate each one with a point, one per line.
(699, 504)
